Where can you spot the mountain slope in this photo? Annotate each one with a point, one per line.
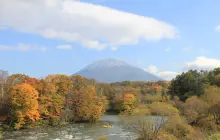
(113, 70)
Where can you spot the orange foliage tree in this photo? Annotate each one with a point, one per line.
(86, 105)
(24, 105)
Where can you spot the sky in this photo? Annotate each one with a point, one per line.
(163, 37)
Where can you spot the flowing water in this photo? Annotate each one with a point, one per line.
(80, 131)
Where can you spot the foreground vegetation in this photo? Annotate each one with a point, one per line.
(189, 105)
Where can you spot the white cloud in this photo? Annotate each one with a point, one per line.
(94, 45)
(217, 28)
(93, 26)
(168, 49)
(114, 48)
(23, 48)
(152, 69)
(167, 75)
(202, 63)
(64, 47)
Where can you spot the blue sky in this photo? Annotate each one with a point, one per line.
(164, 37)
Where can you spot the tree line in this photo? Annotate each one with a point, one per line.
(190, 102)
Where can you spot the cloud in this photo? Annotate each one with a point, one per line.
(114, 48)
(217, 28)
(93, 26)
(167, 75)
(23, 48)
(152, 69)
(94, 45)
(64, 47)
(202, 63)
(168, 49)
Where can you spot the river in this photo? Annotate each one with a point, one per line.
(79, 131)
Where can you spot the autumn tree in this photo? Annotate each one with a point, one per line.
(78, 82)
(211, 95)
(63, 83)
(4, 96)
(3, 79)
(127, 102)
(50, 102)
(17, 79)
(24, 105)
(34, 82)
(85, 104)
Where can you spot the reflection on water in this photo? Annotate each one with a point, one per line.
(78, 131)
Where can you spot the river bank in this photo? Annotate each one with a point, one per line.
(80, 131)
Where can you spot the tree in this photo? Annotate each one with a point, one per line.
(4, 96)
(85, 104)
(17, 79)
(50, 102)
(63, 83)
(211, 95)
(24, 105)
(188, 84)
(78, 82)
(213, 77)
(3, 78)
(127, 102)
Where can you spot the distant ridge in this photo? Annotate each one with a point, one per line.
(114, 70)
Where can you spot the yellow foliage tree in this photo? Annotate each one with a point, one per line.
(24, 105)
(127, 102)
(50, 102)
(62, 82)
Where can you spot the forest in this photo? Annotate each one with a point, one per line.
(190, 102)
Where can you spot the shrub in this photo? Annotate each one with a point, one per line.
(214, 137)
(207, 125)
(164, 109)
(163, 135)
(195, 109)
(145, 129)
(141, 110)
(181, 131)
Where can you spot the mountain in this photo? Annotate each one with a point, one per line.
(113, 70)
